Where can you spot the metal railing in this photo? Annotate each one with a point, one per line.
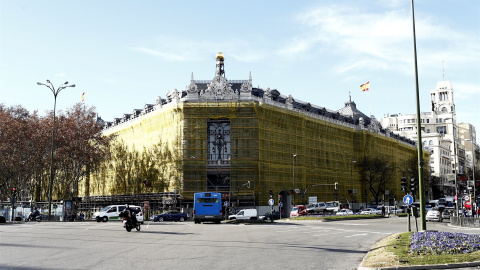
(472, 222)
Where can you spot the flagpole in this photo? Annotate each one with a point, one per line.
(369, 99)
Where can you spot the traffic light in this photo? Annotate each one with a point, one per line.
(413, 183)
(279, 197)
(336, 185)
(404, 184)
(14, 192)
(271, 193)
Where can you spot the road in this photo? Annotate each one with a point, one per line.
(185, 245)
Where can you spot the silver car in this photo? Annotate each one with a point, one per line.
(434, 215)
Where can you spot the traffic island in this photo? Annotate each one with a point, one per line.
(421, 251)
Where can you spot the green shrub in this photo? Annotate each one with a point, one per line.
(18, 219)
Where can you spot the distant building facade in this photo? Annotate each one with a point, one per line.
(230, 137)
(441, 135)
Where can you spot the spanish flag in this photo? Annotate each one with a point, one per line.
(365, 86)
(83, 97)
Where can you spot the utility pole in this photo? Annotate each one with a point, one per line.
(419, 133)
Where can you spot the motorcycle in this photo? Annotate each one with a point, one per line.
(129, 224)
(33, 218)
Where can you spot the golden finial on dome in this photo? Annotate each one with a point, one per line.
(220, 56)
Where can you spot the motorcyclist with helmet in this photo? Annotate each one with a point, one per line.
(131, 213)
(34, 214)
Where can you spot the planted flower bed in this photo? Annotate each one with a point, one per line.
(443, 243)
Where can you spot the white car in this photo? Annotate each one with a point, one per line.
(370, 211)
(434, 215)
(344, 212)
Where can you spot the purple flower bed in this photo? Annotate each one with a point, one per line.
(443, 242)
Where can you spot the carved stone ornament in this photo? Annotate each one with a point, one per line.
(192, 87)
(268, 93)
(219, 88)
(247, 87)
(172, 96)
(158, 101)
(289, 99)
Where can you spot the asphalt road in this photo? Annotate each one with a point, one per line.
(185, 245)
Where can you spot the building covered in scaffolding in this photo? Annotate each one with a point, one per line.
(244, 142)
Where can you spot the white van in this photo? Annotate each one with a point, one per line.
(112, 212)
(245, 214)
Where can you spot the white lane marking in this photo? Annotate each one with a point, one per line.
(358, 234)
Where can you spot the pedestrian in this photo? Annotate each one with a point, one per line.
(82, 216)
(383, 210)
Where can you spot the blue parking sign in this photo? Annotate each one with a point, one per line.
(407, 199)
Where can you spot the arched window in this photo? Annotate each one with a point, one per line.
(430, 142)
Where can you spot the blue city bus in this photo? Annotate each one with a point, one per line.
(207, 206)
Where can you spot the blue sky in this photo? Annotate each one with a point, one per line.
(123, 54)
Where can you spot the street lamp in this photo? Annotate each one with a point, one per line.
(55, 93)
(294, 156)
(419, 131)
(351, 176)
(474, 182)
(195, 173)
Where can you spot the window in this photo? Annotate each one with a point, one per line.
(430, 142)
(428, 121)
(219, 140)
(428, 130)
(442, 130)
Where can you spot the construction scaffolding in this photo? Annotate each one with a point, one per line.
(243, 150)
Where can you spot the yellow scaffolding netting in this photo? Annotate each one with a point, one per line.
(169, 146)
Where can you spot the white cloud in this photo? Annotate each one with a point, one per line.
(379, 39)
(466, 91)
(171, 48)
(60, 74)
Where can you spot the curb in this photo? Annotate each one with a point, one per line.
(432, 266)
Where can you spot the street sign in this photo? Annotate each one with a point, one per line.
(407, 199)
(226, 203)
(271, 202)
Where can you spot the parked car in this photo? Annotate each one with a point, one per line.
(394, 210)
(244, 214)
(344, 212)
(112, 212)
(268, 215)
(332, 206)
(447, 213)
(370, 211)
(319, 207)
(298, 210)
(170, 215)
(434, 215)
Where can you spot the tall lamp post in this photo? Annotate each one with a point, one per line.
(419, 132)
(473, 169)
(55, 94)
(293, 164)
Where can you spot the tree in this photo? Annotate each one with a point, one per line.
(25, 147)
(22, 145)
(376, 173)
(80, 144)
